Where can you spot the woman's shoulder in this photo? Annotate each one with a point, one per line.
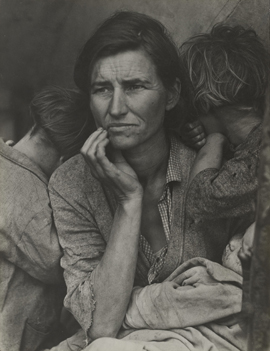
(183, 151)
(74, 174)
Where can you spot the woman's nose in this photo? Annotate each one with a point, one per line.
(118, 105)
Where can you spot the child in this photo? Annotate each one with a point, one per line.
(239, 247)
(32, 285)
(228, 71)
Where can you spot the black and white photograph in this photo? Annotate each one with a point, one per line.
(134, 175)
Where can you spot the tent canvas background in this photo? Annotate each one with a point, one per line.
(40, 40)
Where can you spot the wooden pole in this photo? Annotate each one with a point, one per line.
(256, 295)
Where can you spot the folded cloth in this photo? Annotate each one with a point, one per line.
(202, 316)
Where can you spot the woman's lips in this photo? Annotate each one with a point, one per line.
(119, 126)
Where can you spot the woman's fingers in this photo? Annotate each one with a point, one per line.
(191, 276)
(90, 146)
(91, 139)
(180, 278)
(190, 281)
(89, 150)
(117, 174)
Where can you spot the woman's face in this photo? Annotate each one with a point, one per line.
(128, 99)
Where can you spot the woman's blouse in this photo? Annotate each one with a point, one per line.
(84, 211)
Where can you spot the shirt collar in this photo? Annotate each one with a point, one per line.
(174, 166)
(22, 160)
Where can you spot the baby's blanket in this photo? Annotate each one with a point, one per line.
(202, 316)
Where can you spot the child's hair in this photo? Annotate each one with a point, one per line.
(228, 66)
(62, 117)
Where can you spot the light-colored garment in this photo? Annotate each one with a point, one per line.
(169, 305)
(170, 317)
(84, 211)
(32, 286)
(203, 315)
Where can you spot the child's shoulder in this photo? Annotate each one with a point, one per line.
(253, 141)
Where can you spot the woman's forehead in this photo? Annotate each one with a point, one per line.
(128, 65)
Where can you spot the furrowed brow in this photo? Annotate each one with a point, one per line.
(136, 81)
(100, 84)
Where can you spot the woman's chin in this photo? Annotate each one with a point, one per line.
(120, 143)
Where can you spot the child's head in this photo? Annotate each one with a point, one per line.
(228, 66)
(239, 243)
(61, 118)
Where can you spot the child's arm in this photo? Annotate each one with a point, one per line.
(210, 155)
(229, 190)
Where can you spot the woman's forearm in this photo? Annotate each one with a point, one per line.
(210, 155)
(114, 276)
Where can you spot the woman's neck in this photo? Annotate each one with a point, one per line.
(150, 160)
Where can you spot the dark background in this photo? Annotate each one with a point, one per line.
(40, 39)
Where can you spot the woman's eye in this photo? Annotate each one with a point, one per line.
(102, 90)
(135, 87)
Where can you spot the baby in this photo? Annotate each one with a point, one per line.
(239, 247)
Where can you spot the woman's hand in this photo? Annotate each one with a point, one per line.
(117, 175)
(193, 276)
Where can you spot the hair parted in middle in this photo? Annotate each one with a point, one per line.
(228, 66)
(62, 117)
(125, 31)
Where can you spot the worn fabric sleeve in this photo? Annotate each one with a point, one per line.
(83, 248)
(38, 251)
(168, 305)
(230, 191)
(35, 249)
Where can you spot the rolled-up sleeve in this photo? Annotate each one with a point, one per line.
(83, 248)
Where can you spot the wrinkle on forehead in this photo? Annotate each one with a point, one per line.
(125, 66)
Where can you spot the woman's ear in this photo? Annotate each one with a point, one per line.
(173, 95)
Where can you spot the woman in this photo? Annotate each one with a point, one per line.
(120, 209)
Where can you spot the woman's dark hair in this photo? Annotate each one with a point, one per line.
(62, 116)
(133, 31)
(228, 66)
